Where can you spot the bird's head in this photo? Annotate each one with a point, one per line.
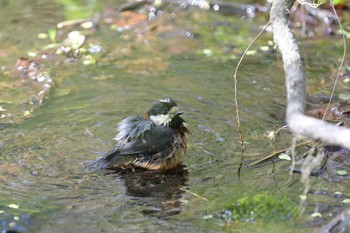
(165, 112)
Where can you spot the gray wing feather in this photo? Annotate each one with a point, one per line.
(152, 141)
(129, 129)
(132, 127)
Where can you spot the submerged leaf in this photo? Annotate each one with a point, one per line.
(338, 194)
(87, 25)
(207, 217)
(13, 206)
(342, 172)
(284, 156)
(316, 214)
(344, 96)
(346, 201)
(42, 36)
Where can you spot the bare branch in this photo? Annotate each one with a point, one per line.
(293, 66)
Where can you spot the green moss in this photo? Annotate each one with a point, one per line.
(263, 206)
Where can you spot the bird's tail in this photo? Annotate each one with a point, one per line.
(106, 161)
(100, 163)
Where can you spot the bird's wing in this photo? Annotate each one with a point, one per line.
(152, 141)
(132, 127)
(139, 136)
(136, 137)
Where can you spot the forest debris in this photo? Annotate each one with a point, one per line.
(8, 168)
(339, 224)
(273, 155)
(129, 19)
(25, 68)
(74, 40)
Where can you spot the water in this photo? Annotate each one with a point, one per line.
(44, 187)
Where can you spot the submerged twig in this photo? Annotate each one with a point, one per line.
(337, 224)
(72, 22)
(274, 178)
(194, 194)
(276, 153)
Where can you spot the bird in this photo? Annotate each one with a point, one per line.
(155, 141)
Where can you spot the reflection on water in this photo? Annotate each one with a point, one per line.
(158, 192)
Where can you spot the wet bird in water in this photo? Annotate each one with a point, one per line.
(154, 142)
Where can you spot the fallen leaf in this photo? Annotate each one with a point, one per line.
(13, 206)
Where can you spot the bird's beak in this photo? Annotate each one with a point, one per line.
(179, 113)
(174, 111)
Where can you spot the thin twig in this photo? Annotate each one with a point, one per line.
(236, 99)
(72, 22)
(341, 62)
(274, 178)
(314, 3)
(194, 194)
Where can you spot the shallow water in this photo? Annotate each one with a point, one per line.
(44, 185)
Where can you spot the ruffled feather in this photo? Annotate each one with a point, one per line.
(132, 127)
